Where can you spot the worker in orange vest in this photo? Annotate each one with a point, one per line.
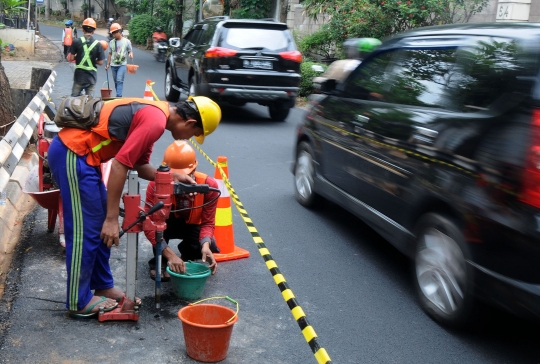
(67, 37)
(192, 219)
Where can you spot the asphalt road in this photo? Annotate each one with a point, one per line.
(353, 286)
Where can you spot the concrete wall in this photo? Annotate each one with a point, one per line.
(20, 38)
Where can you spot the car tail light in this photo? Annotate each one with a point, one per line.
(531, 177)
(217, 52)
(292, 56)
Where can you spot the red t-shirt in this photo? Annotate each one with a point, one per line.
(146, 128)
(208, 218)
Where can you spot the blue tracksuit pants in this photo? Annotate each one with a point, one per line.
(84, 200)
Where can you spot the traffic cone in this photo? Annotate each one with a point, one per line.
(148, 91)
(224, 232)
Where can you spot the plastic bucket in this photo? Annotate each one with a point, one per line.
(131, 68)
(206, 331)
(106, 93)
(190, 286)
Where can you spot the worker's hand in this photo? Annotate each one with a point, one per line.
(62, 43)
(107, 67)
(184, 178)
(131, 55)
(110, 233)
(208, 256)
(176, 264)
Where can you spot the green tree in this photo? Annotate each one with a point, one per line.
(381, 18)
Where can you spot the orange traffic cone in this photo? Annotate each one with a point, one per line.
(223, 232)
(148, 91)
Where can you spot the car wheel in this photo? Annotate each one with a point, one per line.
(192, 86)
(442, 276)
(304, 177)
(278, 113)
(170, 93)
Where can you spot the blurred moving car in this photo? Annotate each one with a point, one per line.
(434, 141)
(237, 61)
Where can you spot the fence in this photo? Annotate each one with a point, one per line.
(14, 21)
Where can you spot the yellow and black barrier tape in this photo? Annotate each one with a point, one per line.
(308, 331)
(298, 313)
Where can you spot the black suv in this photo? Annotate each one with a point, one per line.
(434, 141)
(237, 61)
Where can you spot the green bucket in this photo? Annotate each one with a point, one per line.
(190, 285)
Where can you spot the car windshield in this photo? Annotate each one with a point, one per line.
(255, 39)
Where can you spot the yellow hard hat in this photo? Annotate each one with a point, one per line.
(210, 115)
(180, 156)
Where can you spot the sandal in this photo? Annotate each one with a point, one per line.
(88, 312)
(164, 278)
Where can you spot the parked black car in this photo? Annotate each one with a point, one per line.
(237, 61)
(434, 141)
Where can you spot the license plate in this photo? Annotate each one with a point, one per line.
(249, 63)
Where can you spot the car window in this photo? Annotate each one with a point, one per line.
(369, 80)
(491, 69)
(253, 38)
(417, 77)
(192, 37)
(207, 35)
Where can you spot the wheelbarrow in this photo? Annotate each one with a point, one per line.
(40, 184)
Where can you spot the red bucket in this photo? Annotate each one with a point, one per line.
(206, 331)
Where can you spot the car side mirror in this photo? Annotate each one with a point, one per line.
(317, 68)
(328, 85)
(174, 42)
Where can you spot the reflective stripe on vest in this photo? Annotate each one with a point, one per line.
(89, 66)
(117, 57)
(97, 144)
(68, 38)
(195, 215)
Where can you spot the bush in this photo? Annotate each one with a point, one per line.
(306, 82)
(141, 27)
(318, 45)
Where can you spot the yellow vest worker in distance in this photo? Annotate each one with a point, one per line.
(88, 54)
(126, 131)
(195, 226)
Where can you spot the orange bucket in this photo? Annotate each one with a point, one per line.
(131, 68)
(207, 331)
(106, 93)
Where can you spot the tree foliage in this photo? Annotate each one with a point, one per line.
(381, 18)
(141, 27)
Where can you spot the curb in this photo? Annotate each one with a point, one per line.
(18, 204)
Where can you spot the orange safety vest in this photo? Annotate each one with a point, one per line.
(97, 144)
(68, 38)
(195, 215)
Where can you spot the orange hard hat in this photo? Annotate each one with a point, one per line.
(104, 44)
(180, 157)
(114, 27)
(89, 22)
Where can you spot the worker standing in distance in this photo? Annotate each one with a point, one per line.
(119, 50)
(88, 54)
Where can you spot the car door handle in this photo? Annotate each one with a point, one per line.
(425, 135)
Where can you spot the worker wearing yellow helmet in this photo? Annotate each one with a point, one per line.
(126, 132)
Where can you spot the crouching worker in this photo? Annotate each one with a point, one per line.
(192, 218)
(126, 130)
